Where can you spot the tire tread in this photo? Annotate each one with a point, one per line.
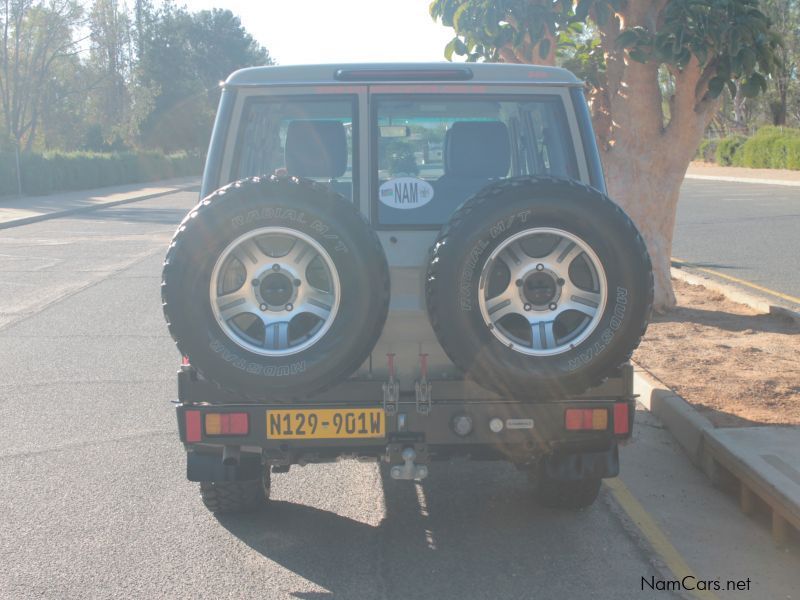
(487, 194)
(185, 229)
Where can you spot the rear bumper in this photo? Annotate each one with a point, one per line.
(530, 431)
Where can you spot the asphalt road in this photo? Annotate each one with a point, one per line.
(94, 502)
(750, 231)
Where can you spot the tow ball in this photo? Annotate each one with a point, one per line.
(409, 470)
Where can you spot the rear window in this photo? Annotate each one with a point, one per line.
(434, 152)
(302, 136)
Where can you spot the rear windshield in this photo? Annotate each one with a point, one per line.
(302, 136)
(435, 152)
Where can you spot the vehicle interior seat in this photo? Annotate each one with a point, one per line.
(475, 154)
(318, 149)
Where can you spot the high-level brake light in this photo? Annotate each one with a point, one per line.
(371, 74)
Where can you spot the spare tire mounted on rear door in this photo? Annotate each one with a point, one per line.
(275, 287)
(539, 287)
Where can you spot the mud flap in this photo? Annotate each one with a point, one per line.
(583, 465)
(209, 467)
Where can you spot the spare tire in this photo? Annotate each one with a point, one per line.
(539, 287)
(275, 288)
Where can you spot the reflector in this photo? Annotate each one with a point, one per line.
(621, 418)
(192, 422)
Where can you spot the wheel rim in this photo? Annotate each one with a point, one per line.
(542, 291)
(275, 291)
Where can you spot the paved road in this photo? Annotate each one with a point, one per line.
(94, 503)
(750, 231)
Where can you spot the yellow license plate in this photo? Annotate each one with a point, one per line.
(326, 423)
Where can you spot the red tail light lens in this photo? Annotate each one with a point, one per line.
(227, 424)
(192, 422)
(621, 418)
(586, 419)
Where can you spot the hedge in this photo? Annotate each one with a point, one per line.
(707, 151)
(727, 149)
(62, 171)
(770, 148)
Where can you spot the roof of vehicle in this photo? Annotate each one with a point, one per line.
(365, 73)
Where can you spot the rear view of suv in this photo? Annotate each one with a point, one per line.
(404, 263)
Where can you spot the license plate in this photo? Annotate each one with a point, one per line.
(326, 423)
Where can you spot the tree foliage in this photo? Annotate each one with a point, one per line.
(185, 57)
(96, 75)
(37, 38)
(731, 41)
(783, 94)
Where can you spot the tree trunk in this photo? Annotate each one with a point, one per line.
(647, 188)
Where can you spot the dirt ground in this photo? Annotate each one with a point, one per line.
(738, 367)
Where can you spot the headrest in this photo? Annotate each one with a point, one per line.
(477, 149)
(316, 149)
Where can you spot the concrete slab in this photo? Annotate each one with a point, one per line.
(31, 209)
(766, 460)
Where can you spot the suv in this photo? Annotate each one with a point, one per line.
(404, 263)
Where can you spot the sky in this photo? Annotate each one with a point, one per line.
(336, 31)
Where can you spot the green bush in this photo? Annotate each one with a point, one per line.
(793, 154)
(727, 149)
(707, 151)
(770, 148)
(63, 171)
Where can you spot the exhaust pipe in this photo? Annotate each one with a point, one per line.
(230, 456)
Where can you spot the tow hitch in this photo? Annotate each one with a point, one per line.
(409, 470)
(408, 453)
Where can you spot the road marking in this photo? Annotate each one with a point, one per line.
(654, 535)
(755, 286)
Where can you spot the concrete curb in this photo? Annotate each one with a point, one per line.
(733, 293)
(686, 425)
(745, 465)
(783, 182)
(98, 205)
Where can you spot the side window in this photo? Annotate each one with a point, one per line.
(306, 137)
(435, 152)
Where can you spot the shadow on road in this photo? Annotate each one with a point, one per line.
(134, 214)
(470, 531)
(729, 321)
(708, 265)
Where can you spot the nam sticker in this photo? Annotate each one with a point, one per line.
(405, 193)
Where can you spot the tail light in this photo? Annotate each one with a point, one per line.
(227, 424)
(192, 422)
(621, 416)
(586, 419)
